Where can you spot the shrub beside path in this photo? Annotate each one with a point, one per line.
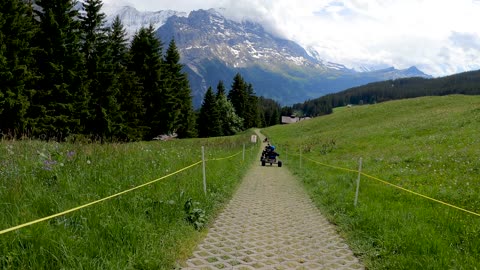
(271, 223)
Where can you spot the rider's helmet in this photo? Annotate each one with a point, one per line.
(272, 147)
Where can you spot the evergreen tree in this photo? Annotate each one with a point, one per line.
(130, 121)
(103, 107)
(209, 124)
(59, 106)
(269, 112)
(180, 112)
(146, 62)
(117, 43)
(245, 102)
(238, 95)
(252, 116)
(230, 122)
(16, 64)
(93, 33)
(127, 123)
(287, 111)
(221, 89)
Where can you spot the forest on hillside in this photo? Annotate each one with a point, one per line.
(64, 73)
(466, 83)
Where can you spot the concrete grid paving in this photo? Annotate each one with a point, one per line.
(271, 223)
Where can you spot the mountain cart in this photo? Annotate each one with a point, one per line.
(270, 156)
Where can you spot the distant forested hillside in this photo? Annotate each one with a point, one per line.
(467, 83)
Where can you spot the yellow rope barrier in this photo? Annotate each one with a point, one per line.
(421, 195)
(331, 166)
(217, 159)
(95, 202)
(393, 185)
(109, 197)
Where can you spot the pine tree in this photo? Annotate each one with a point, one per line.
(59, 106)
(117, 43)
(238, 96)
(221, 89)
(231, 123)
(99, 67)
(209, 124)
(93, 33)
(269, 112)
(251, 115)
(180, 107)
(127, 123)
(146, 62)
(16, 65)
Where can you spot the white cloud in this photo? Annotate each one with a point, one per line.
(430, 34)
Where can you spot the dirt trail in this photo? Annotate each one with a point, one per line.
(270, 223)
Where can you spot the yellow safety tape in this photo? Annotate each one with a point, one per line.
(421, 195)
(216, 159)
(395, 186)
(331, 166)
(109, 197)
(95, 202)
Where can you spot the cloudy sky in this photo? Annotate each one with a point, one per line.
(440, 37)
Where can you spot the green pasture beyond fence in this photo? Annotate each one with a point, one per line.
(360, 173)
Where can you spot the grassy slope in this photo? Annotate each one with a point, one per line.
(144, 229)
(430, 145)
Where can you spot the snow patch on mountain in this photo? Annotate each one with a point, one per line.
(133, 19)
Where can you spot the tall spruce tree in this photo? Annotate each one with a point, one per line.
(209, 124)
(117, 43)
(16, 65)
(146, 62)
(231, 123)
(180, 110)
(221, 91)
(238, 95)
(59, 106)
(128, 121)
(103, 107)
(251, 115)
(93, 33)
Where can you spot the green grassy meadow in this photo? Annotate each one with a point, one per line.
(143, 229)
(429, 145)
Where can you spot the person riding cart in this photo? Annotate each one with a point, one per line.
(270, 156)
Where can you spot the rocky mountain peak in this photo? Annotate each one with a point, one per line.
(213, 48)
(207, 34)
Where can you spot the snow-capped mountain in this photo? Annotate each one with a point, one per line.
(133, 19)
(207, 34)
(392, 73)
(214, 48)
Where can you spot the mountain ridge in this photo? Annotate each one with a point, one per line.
(465, 83)
(214, 48)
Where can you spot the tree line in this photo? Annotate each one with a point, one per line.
(223, 114)
(63, 72)
(466, 83)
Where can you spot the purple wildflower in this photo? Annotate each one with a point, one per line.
(48, 164)
(70, 155)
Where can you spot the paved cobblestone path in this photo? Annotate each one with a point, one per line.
(271, 223)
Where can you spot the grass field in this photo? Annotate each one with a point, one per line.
(143, 229)
(429, 145)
